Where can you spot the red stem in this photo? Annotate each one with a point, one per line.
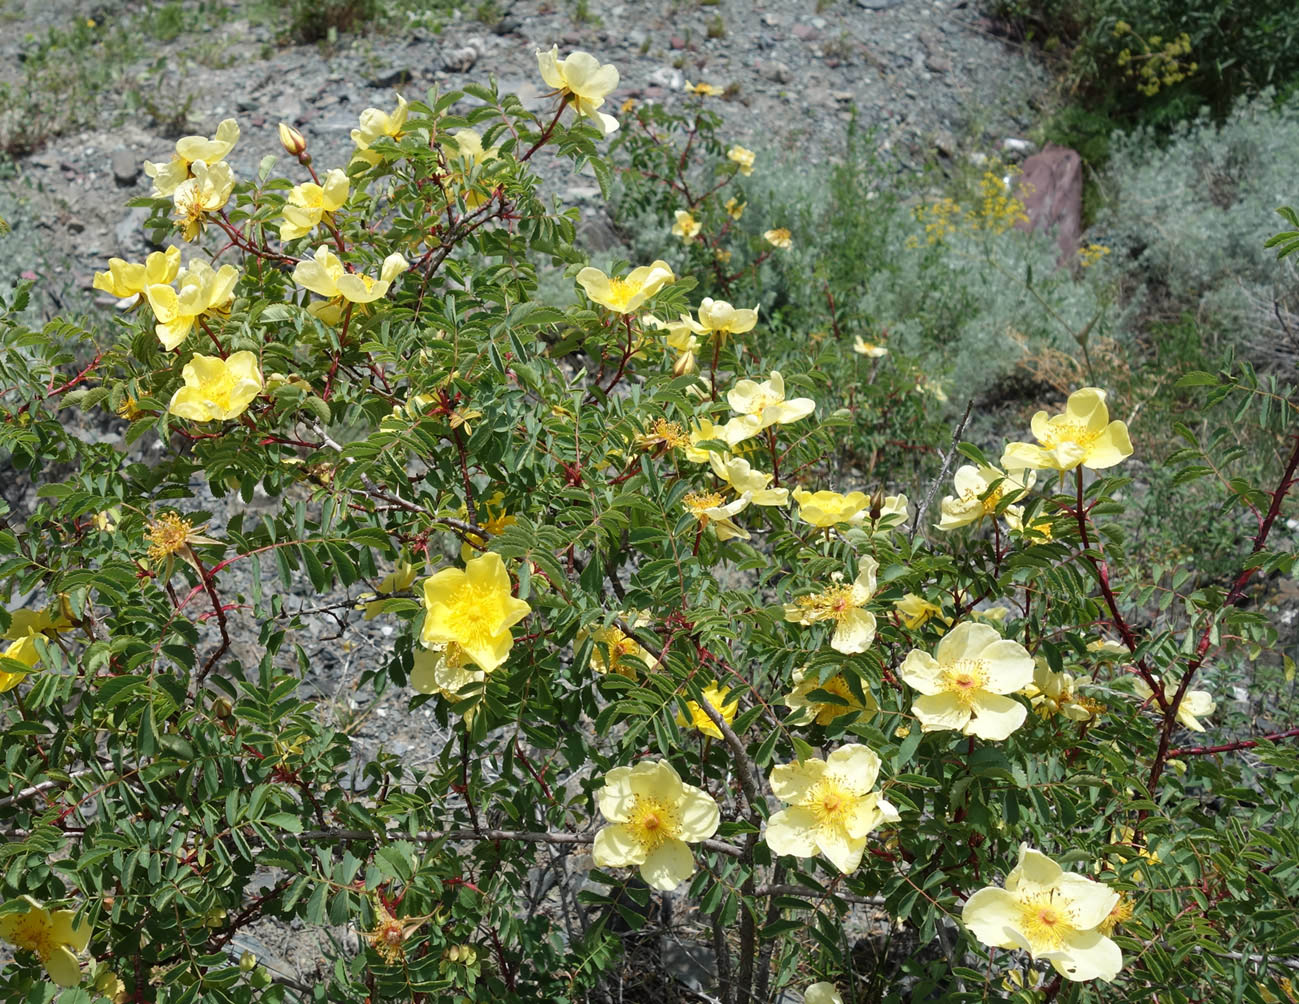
(1240, 744)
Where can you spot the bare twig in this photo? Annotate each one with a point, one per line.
(943, 471)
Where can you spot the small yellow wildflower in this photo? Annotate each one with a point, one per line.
(625, 295)
(871, 350)
(703, 90)
(976, 497)
(294, 143)
(744, 480)
(827, 508)
(854, 627)
(779, 238)
(217, 389)
(741, 157)
(51, 936)
(822, 993)
(583, 81)
(389, 934)
(710, 509)
(374, 125)
(716, 697)
(1090, 254)
(735, 208)
(763, 404)
(686, 226)
(915, 610)
(197, 197)
(805, 710)
(124, 278)
(309, 204)
(663, 433)
(1083, 434)
(168, 175)
(474, 608)
(200, 291)
(493, 518)
(1196, 704)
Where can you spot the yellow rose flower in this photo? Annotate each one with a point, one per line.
(1050, 913)
(964, 683)
(204, 193)
(779, 238)
(703, 90)
(744, 158)
(826, 508)
(375, 124)
(168, 175)
(1196, 704)
(1053, 693)
(706, 430)
(653, 816)
(625, 296)
(719, 317)
(715, 696)
(822, 993)
(854, 627)
(710, 509)
(916, 610)
(396, 581)
(743, 479)
(468, 151)
(832, 809)
(976, 498)
(871, 350)
(22, 650)
(686, 226)
(804, 710)
(326, 275)
(310, 203)
(761, 405)
(199, 291)
(217, 389)
(295, 145)
(442, 669)
(626, 656)
(583, 81)
(125, 278)
(51, 936)
(1083, 434)
(474, 608)
(735, 208)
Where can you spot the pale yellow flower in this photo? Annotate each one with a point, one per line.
(310, 203)
(168, 175)
(704, 90)
(720, 318)
(822, 993)
(964, 683)
(806, 710)
(1083, 434)
(1050, 913)
(199, 196)
(716, 698)
(625, 295)
(832, 809)
(125, 278)
(886, 512)
(443, 669)
(743, 158)
(51, 936)
(826, 508)
(583, 81)
(217, 389)
(743, 479)
(199, 291)
(705, 430)
(915, 610)
(710, 509)
(474, 609)
(326, 275)
(735, 208)
(686, 226)
(1196, 704)
(21, 650)
(779, 238)
(653, 817)
(396, 581)
(1053, 693)
(25, 621)
(374, 125)
(625, 655)
(872, 350)
(763, 404)
(294, 143)
(854, 627)
(976, 497)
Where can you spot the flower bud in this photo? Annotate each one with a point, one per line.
(685, 364)
(293, 141)
(247, 962)
(222, 707)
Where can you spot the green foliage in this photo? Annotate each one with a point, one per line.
(173, 769)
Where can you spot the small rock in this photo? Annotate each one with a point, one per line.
(459, 60)
(772, 20)
(1051, 189)
(246, 104)
(667, 78)
(945, 143)
(938, 64)
(508, 25)
(635, 38)
(805, 32)
(1015, 148)
(777, 72)
(842, 95)
(879, 4)
(572, 37)
(597, 234)
(126, 167)
(392, 78)
(676, 42)
(819, 23)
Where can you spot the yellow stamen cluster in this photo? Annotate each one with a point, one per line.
(1045, 923)
(652, 822)
(167, 535)
(835, 602)
(964, 679)
(1121, 914)
(700, 502)
(388, 936)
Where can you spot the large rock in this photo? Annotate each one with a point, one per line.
(1051, 188)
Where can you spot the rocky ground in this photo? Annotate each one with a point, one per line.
(929, 75)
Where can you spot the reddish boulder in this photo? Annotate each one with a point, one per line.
(1051, 188)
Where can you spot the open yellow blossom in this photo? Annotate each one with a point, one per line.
(663, 433)
(653, 817)
(1120, 914)
(1196, 704)
(199, 291)
(854, 627)
(389, 934)
(375, 124)
(51, 936)
(326, 275)
(872, 350)
(964, 683)
(735, 208)
(1050, 913)
(24, 621)
(704, 90)
(1053, 693)
(1082, 434)
(686, 226)
(742, 157)
(822, 993)
(583, 81)
(710, 509)
(125, 278)
(779, 237)
(720, 318)
(826, 508)
(705, 430)
(625, 655)
(443, 669)
(217, 389)
(625, 295)
(474, 608)
(493, 518)
(763, 404)
(832, 809)
(915, 610)
(168, 175)
(201, 195)
(310, 203)
(21, 650)
(716, 698)
(976, 498)
(172, 534)
(806, 710)
(744, 479)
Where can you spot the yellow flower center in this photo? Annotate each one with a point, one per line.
(472, 616)
(35, 934)
(166, 535)
(671, 433)
(1045, 925)
(835, 603)
(621, 292)
(652, 822)
(700, 502)
(965, 678)
(991, 502)
(1070, 432)
(314, 197)
(830, 802)
(1121, 914)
